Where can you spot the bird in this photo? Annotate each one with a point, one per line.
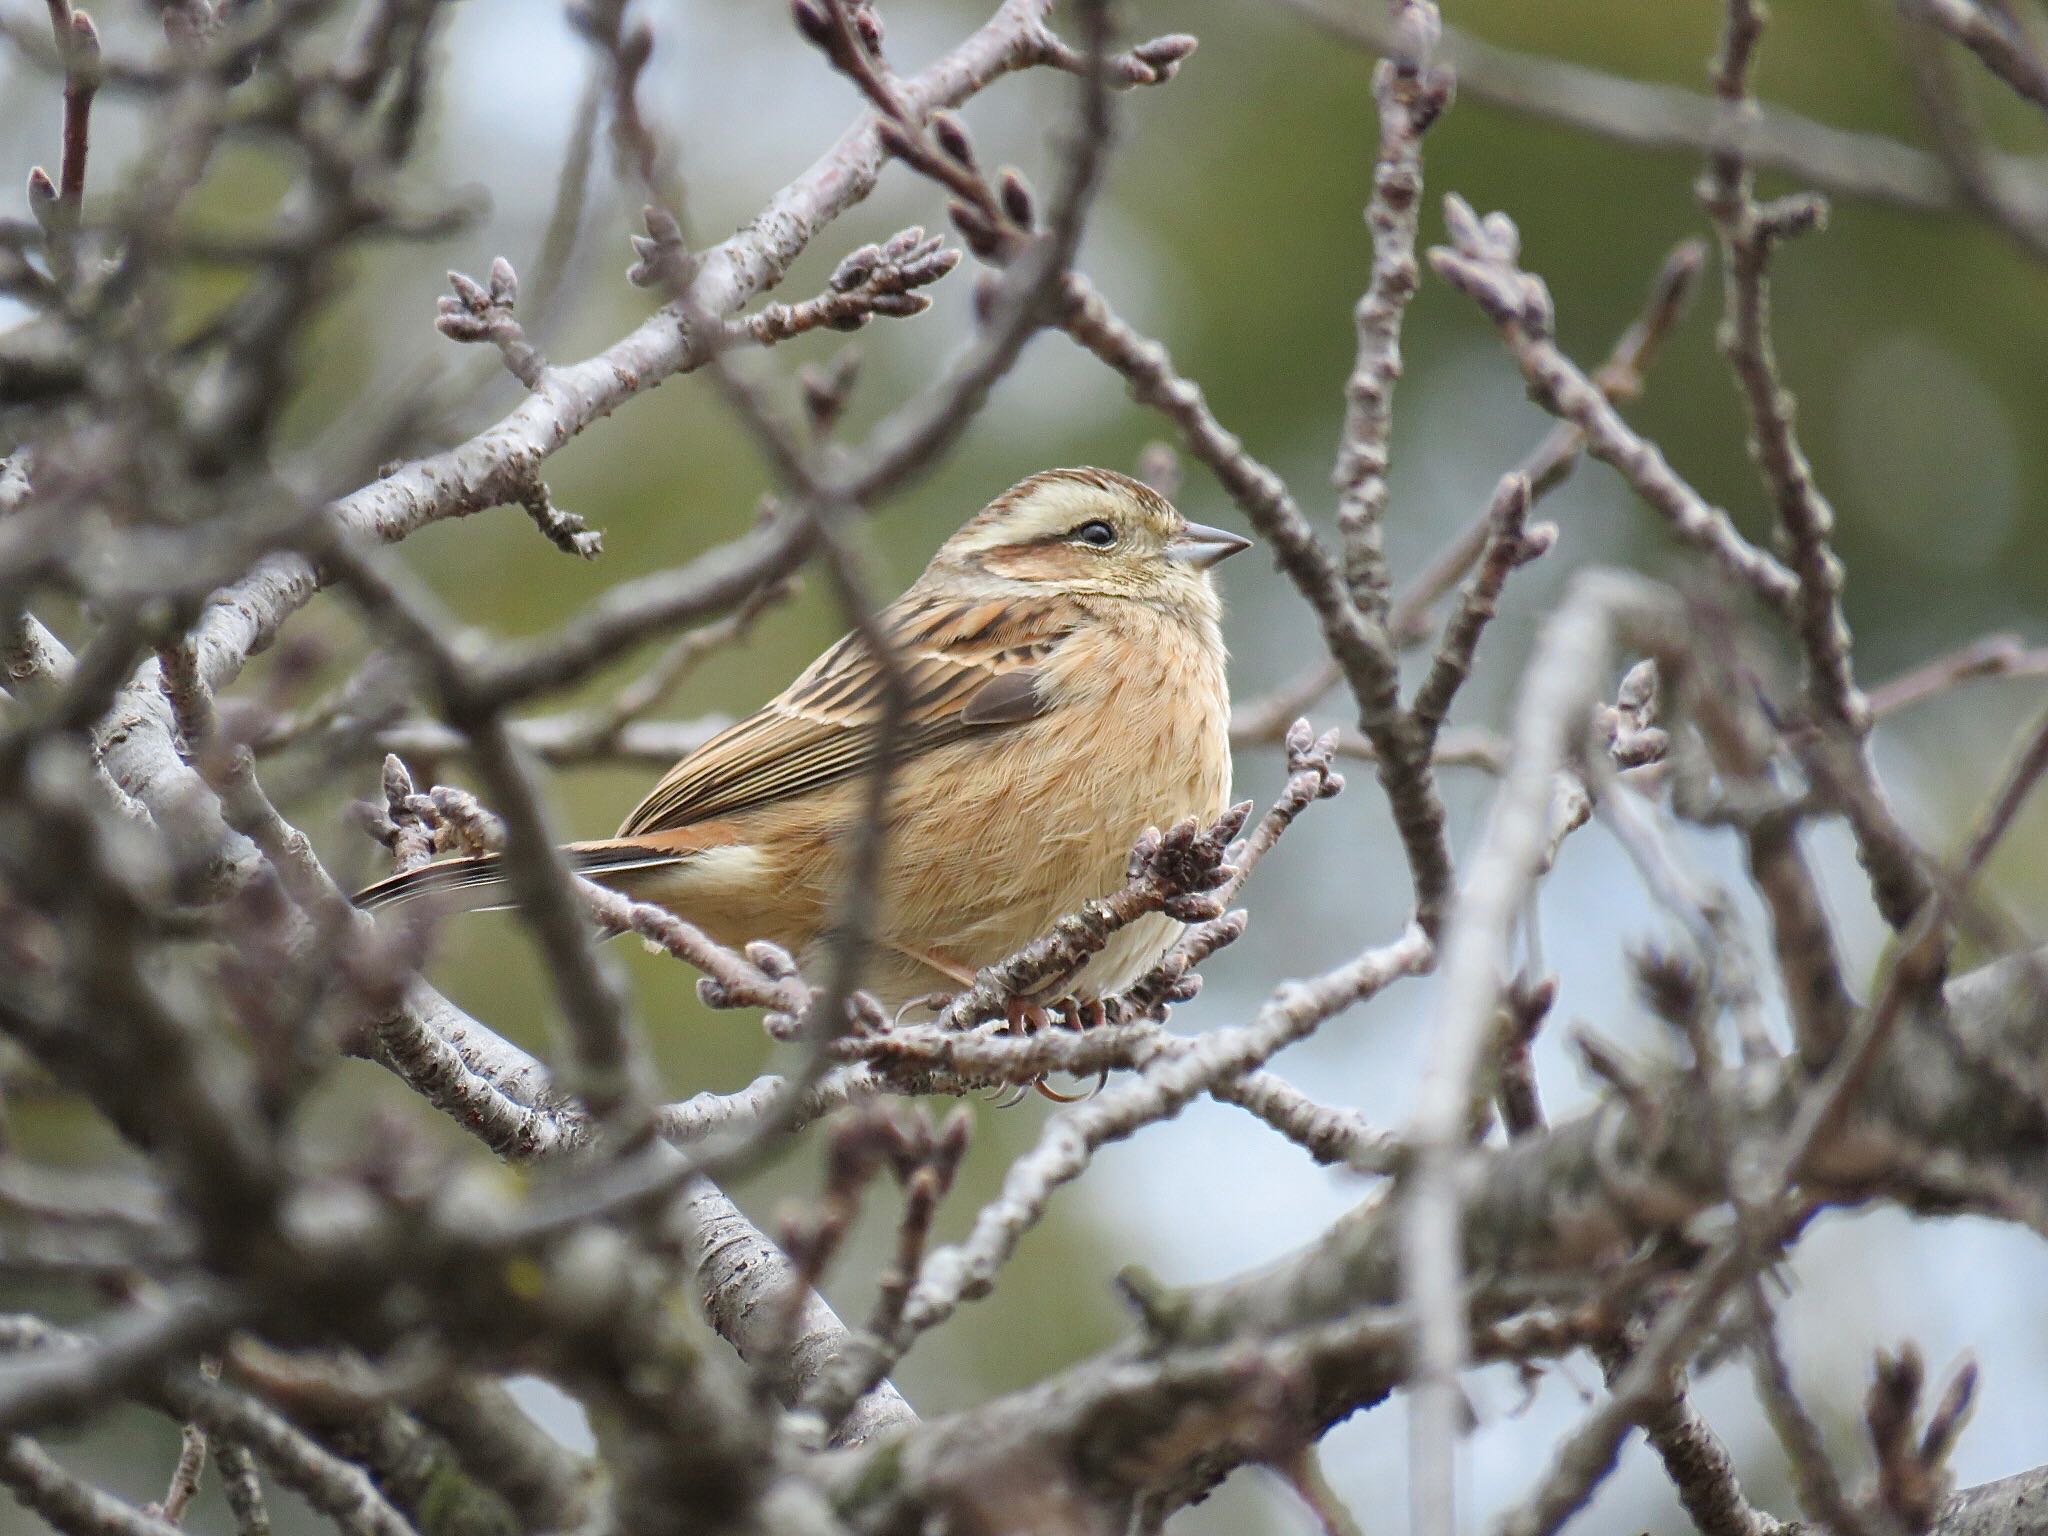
(1063, 670)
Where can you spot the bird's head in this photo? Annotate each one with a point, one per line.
(1089, 531)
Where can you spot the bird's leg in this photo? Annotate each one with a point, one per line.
(1024, 1017)
(1078, 1013)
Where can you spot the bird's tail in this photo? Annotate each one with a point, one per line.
(478, 883)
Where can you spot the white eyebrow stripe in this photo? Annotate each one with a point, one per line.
(1051, 509)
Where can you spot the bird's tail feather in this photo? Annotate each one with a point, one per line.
(478, 883)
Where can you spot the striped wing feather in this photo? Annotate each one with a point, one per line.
(968, 666)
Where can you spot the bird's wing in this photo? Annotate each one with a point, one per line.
(968, 665)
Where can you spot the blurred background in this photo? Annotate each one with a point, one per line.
(1230, 228)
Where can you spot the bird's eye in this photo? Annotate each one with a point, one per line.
(1096, 533)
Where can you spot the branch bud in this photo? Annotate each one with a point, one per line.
(951, 135)
(1018, 203)
(1164, 55)
(398, 783)
(854, 268)
(82, 56)
(897, 140)
(812, 22)
(975, 228)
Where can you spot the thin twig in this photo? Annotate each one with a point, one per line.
(242, 1487)
(1702, 1472)
(1549, 724)
(1511, 543)
(1411, 93)
(1820, 1489)
(1650, 115)
(72, 1507)
(2018, 781)
(612, 1075)
(963, 1271)
(1482, 263)
(185, 1475)
(1749, 235)
(1995, 656)
(1620, 378)
(1997, 40)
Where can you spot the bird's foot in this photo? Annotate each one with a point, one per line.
(1082, 1013)
(1023, 1018)
(1101, 1081)
(935, 1001)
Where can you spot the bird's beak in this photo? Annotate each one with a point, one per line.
(1202, 547)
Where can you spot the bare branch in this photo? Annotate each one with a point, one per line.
(1701, 1470)
(1482, 264)
(1511, 543)
(1749, 235)
(1411, 92)
(966, 1270)
(2018, 782)
(1999, 42)
(1998, 656)
(1654, 116)
(1549, 726)
(72, 1507)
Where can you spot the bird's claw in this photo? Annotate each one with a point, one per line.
(1027, 1018)
(1101, 1082)
(936, 1001)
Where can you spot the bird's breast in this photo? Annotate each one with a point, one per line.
(998, 837)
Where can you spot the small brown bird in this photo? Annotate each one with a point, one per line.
(1066, 690)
